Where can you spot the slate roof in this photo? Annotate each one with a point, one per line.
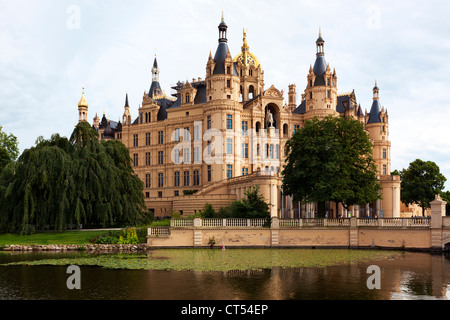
(374, 115)
(219, 59)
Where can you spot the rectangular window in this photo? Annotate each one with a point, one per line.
(271, 151)
(384, 169)
(187, 178)
(384, 154)
(196, 154)
(245, 150)
(141, 117)
(229, 121)
(176, 193)
(229, 171)
(176, 182)
(187, 155)
(244, 128)
(229, 146)
(208, 125)
(160, 180)
(209, 173)
(197, 133)
(148, 159)
(135, 140)
(160, 157)
(196, 178)
(160, 137)
(228, 83)
(187, 134)
(277, 151)
(135, 159)
(296, 127)
(177, 134)
(177, 156)
(148, 180)
(148, 139)
(244, 171)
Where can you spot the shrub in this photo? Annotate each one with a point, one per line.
(129, 236)
(107, 240)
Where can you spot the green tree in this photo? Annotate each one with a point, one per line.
(421, 181)
(331, 160)
(252, 206)
(9, 144)
(61, 182)
(208, 212)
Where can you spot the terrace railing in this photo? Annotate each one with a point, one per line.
(303, 223)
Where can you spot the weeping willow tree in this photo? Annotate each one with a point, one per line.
(62, 182)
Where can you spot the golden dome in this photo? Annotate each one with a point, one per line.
(83, 102)
(245, 57)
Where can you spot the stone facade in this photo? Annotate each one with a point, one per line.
(217, 136)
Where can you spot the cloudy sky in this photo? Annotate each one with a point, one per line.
(49, 47)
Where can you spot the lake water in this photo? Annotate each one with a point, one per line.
(404, 276)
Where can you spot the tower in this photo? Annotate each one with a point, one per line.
(377, 124)
(250, 72)
(82, 108)
(321, 91)
(292, 97)
(222, 79)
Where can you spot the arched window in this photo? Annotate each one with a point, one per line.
(251, 92)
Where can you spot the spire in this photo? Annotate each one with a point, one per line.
(155, 88)
(126, 101)
(223, 30)
(320, 44)
(320, 66)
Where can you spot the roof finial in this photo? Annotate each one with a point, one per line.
(223, 19)
(320, 31)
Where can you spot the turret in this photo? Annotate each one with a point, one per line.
(82, 108)
(126, 113)
(377, 124)
(155, 88)
(221, 72)
(321, 90)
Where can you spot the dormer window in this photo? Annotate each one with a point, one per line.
(187, 98)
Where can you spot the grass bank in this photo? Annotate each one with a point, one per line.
(49, 238)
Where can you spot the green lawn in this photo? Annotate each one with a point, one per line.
(68, 237)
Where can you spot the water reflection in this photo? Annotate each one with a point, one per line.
(403, 277)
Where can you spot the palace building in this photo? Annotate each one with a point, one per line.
(215, 137)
